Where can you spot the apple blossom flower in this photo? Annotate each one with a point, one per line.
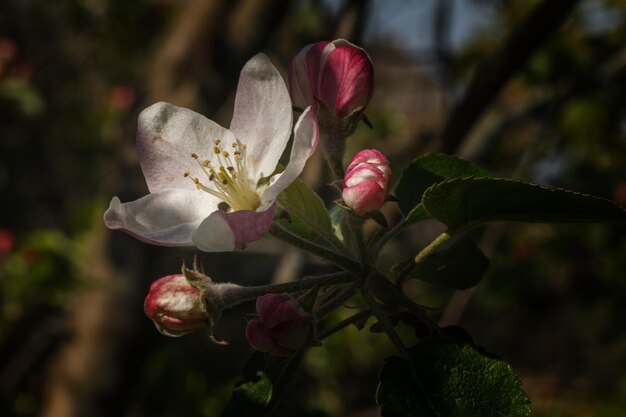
(282, 328)
(366, 181)
(175, 306)
(337, 74)
(193, 166)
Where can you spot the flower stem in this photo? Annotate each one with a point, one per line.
(361, 315)
(355, 225)
(387, 326)
(234, 294)
(338, 300)
(341, 261)
(377, 243)
(333, 148)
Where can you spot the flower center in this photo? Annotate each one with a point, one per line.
(228, 180)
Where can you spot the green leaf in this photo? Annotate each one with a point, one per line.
(460, 266)
(448, 377)
(426, 171)
(307, 211)
(472, 201)
(250, 398)
(266, 380)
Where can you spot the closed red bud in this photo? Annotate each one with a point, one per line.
(175, 306)
(366, 182)
(282, 328)
(337, 74)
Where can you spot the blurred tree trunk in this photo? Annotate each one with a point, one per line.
(186, 45)
(94, 372)
(494, 72)
(102, 320)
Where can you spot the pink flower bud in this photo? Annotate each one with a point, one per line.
(175, 306)
(282, 328)
(121, 97)
(337, 74)
(7, 240)
(8, 50)
(366, 181)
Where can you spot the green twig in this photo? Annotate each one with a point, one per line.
(341, 261)
(361, 315)
(377, 243)
(355, 225)
(338, 300)
(387, 326)
(235, 294)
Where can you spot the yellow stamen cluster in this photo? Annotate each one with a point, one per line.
(230, 181)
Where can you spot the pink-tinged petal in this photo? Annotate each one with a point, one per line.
(347, 81)
(262, 118)
(365, 172)
(370, 156)
(258, 336)
(315, 63)
(266, 304)
(167, 136)
(290, 310)
(167, 218)
(224, 232)
(299, 80)
(306, 135)
(364, 197)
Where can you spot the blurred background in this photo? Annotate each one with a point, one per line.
(531, 89)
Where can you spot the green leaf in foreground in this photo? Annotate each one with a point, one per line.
(250, 398)
(426, 171)
(459, 266)
(307, 210)
(455, 380)
(265, 381)
(464, 202)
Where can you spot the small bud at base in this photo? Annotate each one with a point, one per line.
(282, 328)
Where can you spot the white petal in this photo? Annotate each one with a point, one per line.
(214, 235)
(262, 118)
(305, 140)
(166, 218)
(167, 136)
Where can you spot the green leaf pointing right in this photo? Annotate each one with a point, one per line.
(454, 379)
(426, 171)
(462, 202)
